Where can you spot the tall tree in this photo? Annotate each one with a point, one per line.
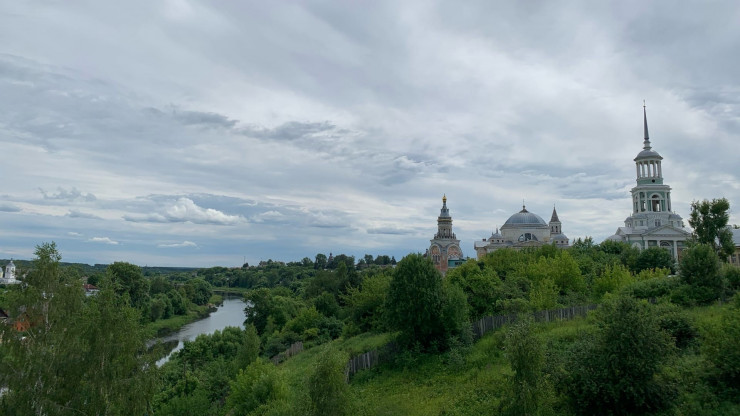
(709, 220)
(415, 300)
(77, 355)
(127, 278)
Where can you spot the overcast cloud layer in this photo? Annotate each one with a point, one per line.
(203, 133)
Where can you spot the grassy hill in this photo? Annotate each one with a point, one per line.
(471, 381)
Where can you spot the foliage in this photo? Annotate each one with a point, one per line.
(367, 304)
(478, 283)
(528, 390)
(721, 347)
(709, 220)
(699, 269)
(198, 291)
(79, 355)
(256, 388)
(614, 371)
(611, 281)
(654, 258)
(327, 389)
(128, 279)
(415, 301)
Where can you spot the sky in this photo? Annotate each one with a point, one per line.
(205, 133)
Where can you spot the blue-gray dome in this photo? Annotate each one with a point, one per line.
(559, 237)
(525, 217)
(648, 154)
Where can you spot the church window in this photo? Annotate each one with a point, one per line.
(657, 223)
(527, 237)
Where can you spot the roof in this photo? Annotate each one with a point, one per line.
(525, 217)
(560, 236)
(554, 217)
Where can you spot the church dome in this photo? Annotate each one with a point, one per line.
(525, 217)
(648, 154)
(560, 237)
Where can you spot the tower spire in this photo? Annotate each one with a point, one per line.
(646, 143)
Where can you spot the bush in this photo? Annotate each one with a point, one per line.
(700, 269)
(327, 388)
(255, 387)
(652, 288)
(615, 370)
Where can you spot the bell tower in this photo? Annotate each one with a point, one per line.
(444, 250)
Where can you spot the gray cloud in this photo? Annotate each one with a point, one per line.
(68, 195)
(5, 207)
(340, 125)
(79, 214)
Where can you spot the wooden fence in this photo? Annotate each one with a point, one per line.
(373, 358)
(291, 351)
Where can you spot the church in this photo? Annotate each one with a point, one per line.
(524, 229)
(652, 223)
(444, 250)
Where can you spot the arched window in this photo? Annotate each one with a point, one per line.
(527, 237)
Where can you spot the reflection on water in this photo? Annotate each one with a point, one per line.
(230, 313)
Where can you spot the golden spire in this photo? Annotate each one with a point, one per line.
(444, 198)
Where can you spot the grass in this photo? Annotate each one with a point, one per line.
(466, 381)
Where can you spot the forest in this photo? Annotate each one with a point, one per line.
(663, 338)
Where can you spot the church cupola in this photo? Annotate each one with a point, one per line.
(444, 221)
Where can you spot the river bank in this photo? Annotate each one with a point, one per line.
(230, 313)
(164, 327)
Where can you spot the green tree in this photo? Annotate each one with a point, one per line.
(479, 285)
(415, 300)
(198, 290)
(327, 388)
(528, 390)
(709, 220)
(320, 263)
(699, 269)
(79, 355)
(367, 304)
(654, 258)
(256, 388)
(127, 278)
(616, 369)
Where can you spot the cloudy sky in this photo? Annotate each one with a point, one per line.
(201, 133)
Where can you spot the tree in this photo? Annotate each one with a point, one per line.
(256, 388)
(615, 369)
(528, 389)
(79, 355)
(198, 290)
(699, 269)
(654, 258)
(415, 301)
(709, 220)
(327, 388)
(320, 263)
(127, 278)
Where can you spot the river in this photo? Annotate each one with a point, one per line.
(230, 313)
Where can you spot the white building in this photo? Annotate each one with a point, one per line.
(652, 223)
(9, 277)
(524, 229)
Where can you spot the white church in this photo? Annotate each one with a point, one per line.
(652, 223)
(8, 278)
